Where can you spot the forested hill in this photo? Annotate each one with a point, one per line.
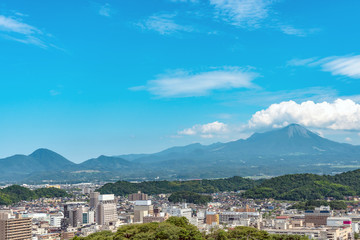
(287, 187)
(308, 187)
(16, 193)
(199, 186)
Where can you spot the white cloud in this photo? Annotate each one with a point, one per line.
(243, 13)
(348, 66)
(348, 139)
(105, 10)
(208, 130)
(9, 24)
(184, 84)
(164, 24)
(338, 115)
(15, 29)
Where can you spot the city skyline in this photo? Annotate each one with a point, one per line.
(88, 78)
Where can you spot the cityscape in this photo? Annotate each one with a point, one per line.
(179, 120)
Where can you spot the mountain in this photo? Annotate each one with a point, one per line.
(106, 163)
(50, 160)
(18, 166)
(291, 140)
(292, 149)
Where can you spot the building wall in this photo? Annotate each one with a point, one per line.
(15, 229)
(212, 219)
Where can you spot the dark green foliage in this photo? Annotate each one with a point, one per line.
(122, 188)
(311, 204)
(16, 193)
(300, 187)
(50, 193)
(103, 235)
(189, 197)
(176, 228)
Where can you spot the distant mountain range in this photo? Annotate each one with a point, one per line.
(292, 149)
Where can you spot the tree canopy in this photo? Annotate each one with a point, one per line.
(179, 228)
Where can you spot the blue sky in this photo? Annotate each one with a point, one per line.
(86, 78)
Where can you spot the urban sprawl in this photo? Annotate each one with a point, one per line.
(87, 211)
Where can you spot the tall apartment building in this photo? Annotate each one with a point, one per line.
(14, 227)
(137, 196)
(106, 213)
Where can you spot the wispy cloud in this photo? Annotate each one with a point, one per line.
(185, 84)
(164, 24)
(243, 13)
(209, 130)
(291, 30)
(348, 66)
(338, 115)
(249, 14)
(105, 10)
(14, 28)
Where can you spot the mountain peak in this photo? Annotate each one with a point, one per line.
(41, 151)
(47, 156)
(294, 130)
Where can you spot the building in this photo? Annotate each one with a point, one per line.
(246, 209)
(106, 213)
(14, 228)
(55, 220)
(94, 199)
(158, 218)
(182, 211)
(212, 218)
(331, 233)
(241, 218)
(317, 217)
(67, 235)
(142, 208)
(137, 196)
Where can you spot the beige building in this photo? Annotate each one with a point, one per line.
(14, 228)
(106, 213)
(212, 219)
(138, 196)
(142, 208)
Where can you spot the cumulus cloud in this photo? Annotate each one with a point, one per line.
(208, 130)
(338, 115)
(14, 28)
(243, 13)
(164, 24)
(348, 66)
(185, 84)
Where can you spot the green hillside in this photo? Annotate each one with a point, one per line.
(122, 188)
(16, 193)
(296, 187)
